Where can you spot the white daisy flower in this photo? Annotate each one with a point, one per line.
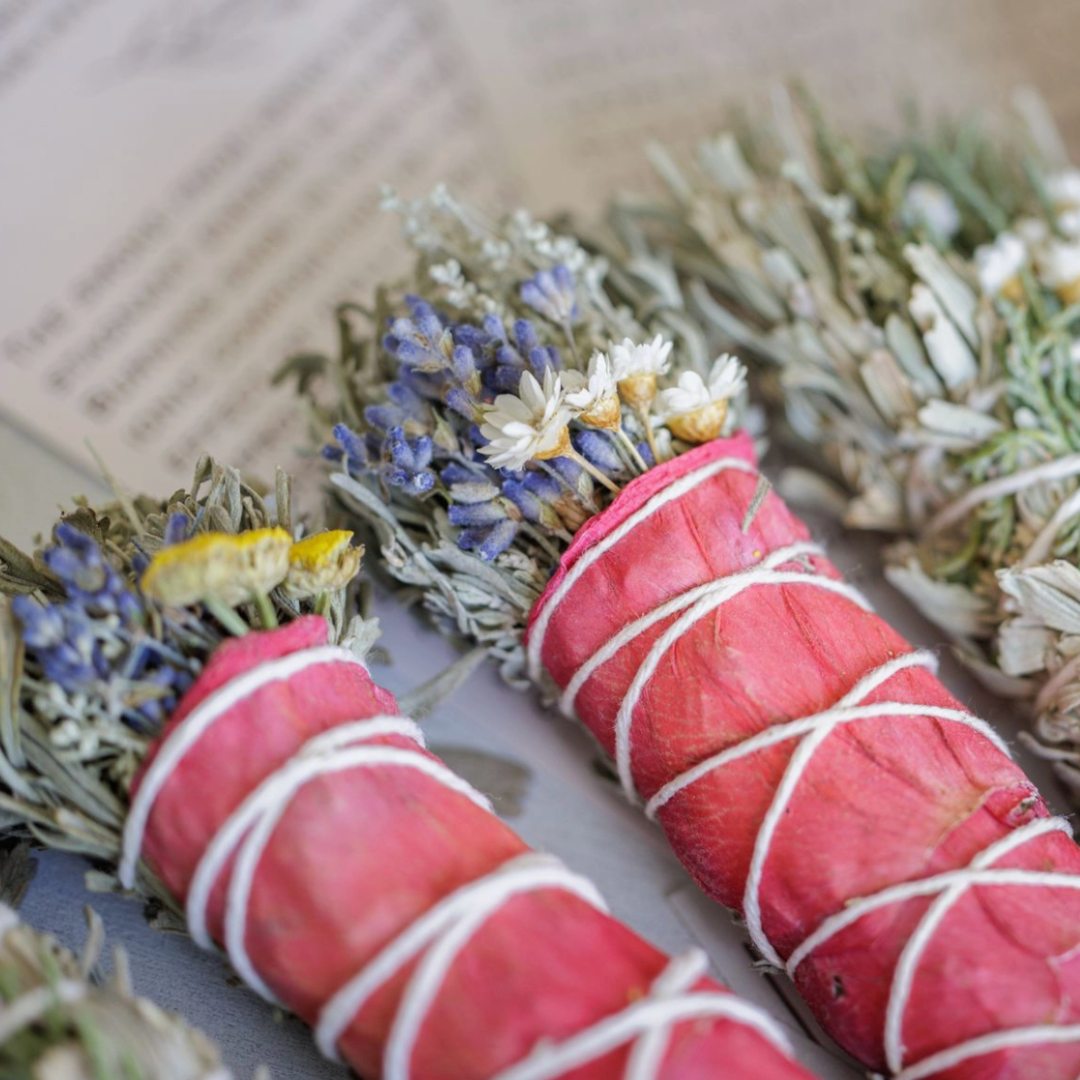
(594, 396)
(930, 205)
(629, 359)
(531, 424)
(1058, 264)
(636, 367)
(999, 264)
(695, 409)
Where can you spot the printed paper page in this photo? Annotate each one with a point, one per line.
(188, 190)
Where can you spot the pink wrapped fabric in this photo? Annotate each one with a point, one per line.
(356, 880)
(812, 773)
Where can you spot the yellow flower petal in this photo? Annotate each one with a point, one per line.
(219, 566)
(322, 562)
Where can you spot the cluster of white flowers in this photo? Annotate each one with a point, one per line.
(630, 360)
(1055, 258)
(533, 424)
(693, 393)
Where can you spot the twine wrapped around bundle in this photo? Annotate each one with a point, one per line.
(811, 772)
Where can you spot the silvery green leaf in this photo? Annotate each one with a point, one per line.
(361, 635)
(1023, 646)
(880, 506)
(658, 273)
(907, 347)
(782, 270)
(722, 159)
(808, 490)
(669, 172)
(964, 427)
(955, 295)
(949, 353)
(1049, 594)
(1012, 688)
(888, 386)
(474, 492)
(732, 327)
(954, 608)
(787, 224)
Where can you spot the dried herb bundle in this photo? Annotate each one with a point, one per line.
(911, 312)
(481, 416)
(104, 628)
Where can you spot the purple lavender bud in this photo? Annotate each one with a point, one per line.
(484, 513)
(597, 449)
(176, 529)
(489, 542)
(464, 363)
(458, 474)
(462, 402)
(525, 337)
(43, 627)
(493, 327)
(352, 444)
(551, 293)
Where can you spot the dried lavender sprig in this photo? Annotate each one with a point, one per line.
(480, 415)
(104, 628)
(911, 311)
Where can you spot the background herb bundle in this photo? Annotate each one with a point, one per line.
(911, 313)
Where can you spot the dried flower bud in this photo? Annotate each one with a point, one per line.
(638, 391)
(701, 426)
(219, 566)
(323, 562)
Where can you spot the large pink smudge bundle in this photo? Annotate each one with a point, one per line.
(812, 773)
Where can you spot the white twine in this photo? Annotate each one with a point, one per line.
(727, 588)
(188, 732)
(990, 1044)
(444, 930)
(279, 792)
(812, 731)
(530, 873)
(262, 799)
(636, 1020)
(674, 491)
(635, 629)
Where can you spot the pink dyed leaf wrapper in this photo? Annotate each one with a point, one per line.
(360, 854)
(668, 611)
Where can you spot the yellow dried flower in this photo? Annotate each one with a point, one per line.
(230, 569)
(322, 562)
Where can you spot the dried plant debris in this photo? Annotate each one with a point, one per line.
(910, 311)
(58, 1022)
